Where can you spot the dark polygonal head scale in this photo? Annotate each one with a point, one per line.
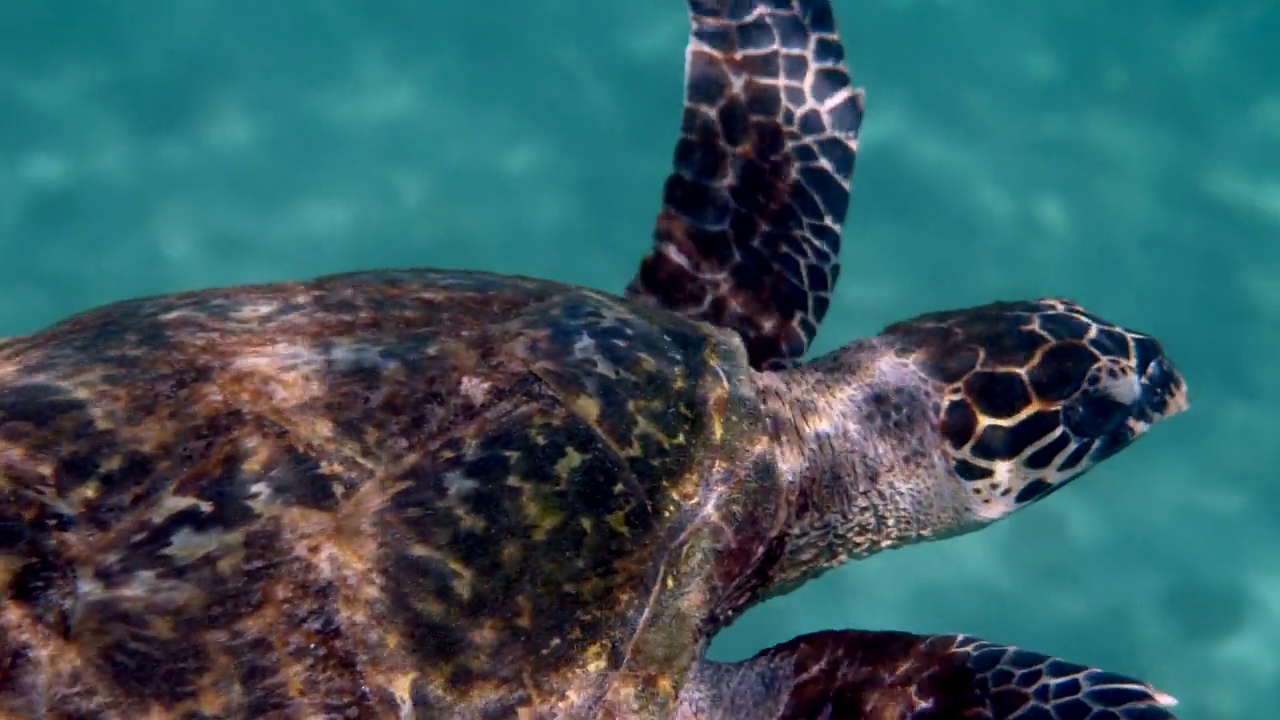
(749, 233)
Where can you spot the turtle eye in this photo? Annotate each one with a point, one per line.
(1093, 414)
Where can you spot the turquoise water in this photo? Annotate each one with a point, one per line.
(1128, 157)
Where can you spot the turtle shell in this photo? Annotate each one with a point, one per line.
(446, 490)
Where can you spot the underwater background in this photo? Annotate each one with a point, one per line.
(1126, 155)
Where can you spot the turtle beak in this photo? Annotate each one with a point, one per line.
(1158, 393)
(1162, 393)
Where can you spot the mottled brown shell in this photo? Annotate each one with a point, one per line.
(366, 492)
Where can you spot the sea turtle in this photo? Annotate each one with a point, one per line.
(449, 494)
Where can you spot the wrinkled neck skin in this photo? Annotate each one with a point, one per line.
(860, 465)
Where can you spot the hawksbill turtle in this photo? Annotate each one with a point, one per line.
(448, 494)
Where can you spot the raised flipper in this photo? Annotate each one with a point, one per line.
(861, 675)
(749, 233)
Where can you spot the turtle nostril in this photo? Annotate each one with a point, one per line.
(1159, 380)
(1156, 373)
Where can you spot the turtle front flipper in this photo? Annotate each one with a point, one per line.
(749, 233)
(864, 675)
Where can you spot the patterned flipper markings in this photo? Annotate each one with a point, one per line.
(864, 675)
(749, 233)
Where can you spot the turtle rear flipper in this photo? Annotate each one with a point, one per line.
(864, 675)
(749, 233)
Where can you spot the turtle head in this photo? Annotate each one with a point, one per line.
(947, 422)
(1031, 395)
